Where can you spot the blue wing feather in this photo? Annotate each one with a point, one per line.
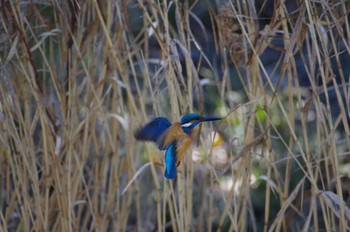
(170, 162)
(154, 131)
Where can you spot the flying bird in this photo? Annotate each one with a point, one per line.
(175, 138)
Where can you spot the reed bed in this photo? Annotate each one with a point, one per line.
(79, 77)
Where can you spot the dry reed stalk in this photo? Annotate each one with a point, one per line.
(77, 78)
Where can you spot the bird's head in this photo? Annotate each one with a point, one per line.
(189, 121)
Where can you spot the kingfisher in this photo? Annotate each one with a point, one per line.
(175, 138)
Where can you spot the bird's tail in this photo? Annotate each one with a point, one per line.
(170, 162)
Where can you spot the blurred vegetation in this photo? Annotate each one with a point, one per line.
(77, 78)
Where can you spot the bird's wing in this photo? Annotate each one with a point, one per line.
(170, 161)
(154, 131)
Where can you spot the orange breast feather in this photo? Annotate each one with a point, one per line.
(184, 141)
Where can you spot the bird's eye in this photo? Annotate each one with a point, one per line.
(187, 124)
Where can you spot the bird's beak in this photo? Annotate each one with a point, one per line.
(209, 118)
